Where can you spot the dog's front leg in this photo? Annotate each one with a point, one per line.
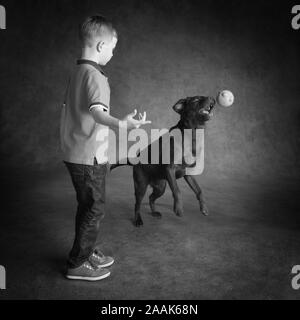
(171, 178)
(196, 188)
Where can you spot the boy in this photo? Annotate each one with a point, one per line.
(85, 119)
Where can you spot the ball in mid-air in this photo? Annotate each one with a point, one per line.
(225, 98)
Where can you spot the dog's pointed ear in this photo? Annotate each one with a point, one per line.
(179, 105)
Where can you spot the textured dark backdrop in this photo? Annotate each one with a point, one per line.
(167, 50)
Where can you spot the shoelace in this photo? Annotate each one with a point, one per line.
(88, 266)
(98, 255)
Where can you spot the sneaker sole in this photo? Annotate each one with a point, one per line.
(107, 264)
(88, 278)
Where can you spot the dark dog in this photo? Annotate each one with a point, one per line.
(194, 112)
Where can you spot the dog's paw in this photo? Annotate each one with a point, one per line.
(178, 210)
(179, 213)
(204, 209)
(138, 222)
(156, 214)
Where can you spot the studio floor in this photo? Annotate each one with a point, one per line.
(245, 249)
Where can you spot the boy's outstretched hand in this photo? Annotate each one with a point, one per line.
(133, 123)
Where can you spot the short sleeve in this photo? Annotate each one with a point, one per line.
(96, 91)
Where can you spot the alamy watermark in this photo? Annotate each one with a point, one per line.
(2, 17)
(296, 279)
(2, 278)
(296, 19)
(161, 146)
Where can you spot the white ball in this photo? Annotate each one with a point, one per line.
(225, 98)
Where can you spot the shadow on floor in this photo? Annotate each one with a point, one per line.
(245, 249)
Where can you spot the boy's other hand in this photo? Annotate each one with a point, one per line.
(133, 123)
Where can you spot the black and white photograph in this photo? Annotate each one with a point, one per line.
(150, 151)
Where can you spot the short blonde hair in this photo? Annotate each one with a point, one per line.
(96, 27)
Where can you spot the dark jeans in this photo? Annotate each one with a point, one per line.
(89, 184)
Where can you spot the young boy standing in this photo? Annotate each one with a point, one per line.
(84, 122)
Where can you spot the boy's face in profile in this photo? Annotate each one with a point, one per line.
(106, 51)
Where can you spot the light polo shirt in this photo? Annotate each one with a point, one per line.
(82, 139)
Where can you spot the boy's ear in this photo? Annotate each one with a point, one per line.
(179, 106)
(99, 46)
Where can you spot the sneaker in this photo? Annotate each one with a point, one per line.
(87, 272)
(99, 260)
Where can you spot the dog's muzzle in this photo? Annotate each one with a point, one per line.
(207, 109)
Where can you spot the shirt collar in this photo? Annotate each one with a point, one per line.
(92, 63)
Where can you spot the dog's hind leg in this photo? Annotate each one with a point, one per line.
(195, 187)
(140, 187)
(159, 188)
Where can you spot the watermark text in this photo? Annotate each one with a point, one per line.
(296, 19)
(2, 17)
(296, 279)
(161, 146)
(2, 278)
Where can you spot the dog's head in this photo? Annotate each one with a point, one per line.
(194, 111)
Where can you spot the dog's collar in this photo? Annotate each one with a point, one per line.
(181, 128)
